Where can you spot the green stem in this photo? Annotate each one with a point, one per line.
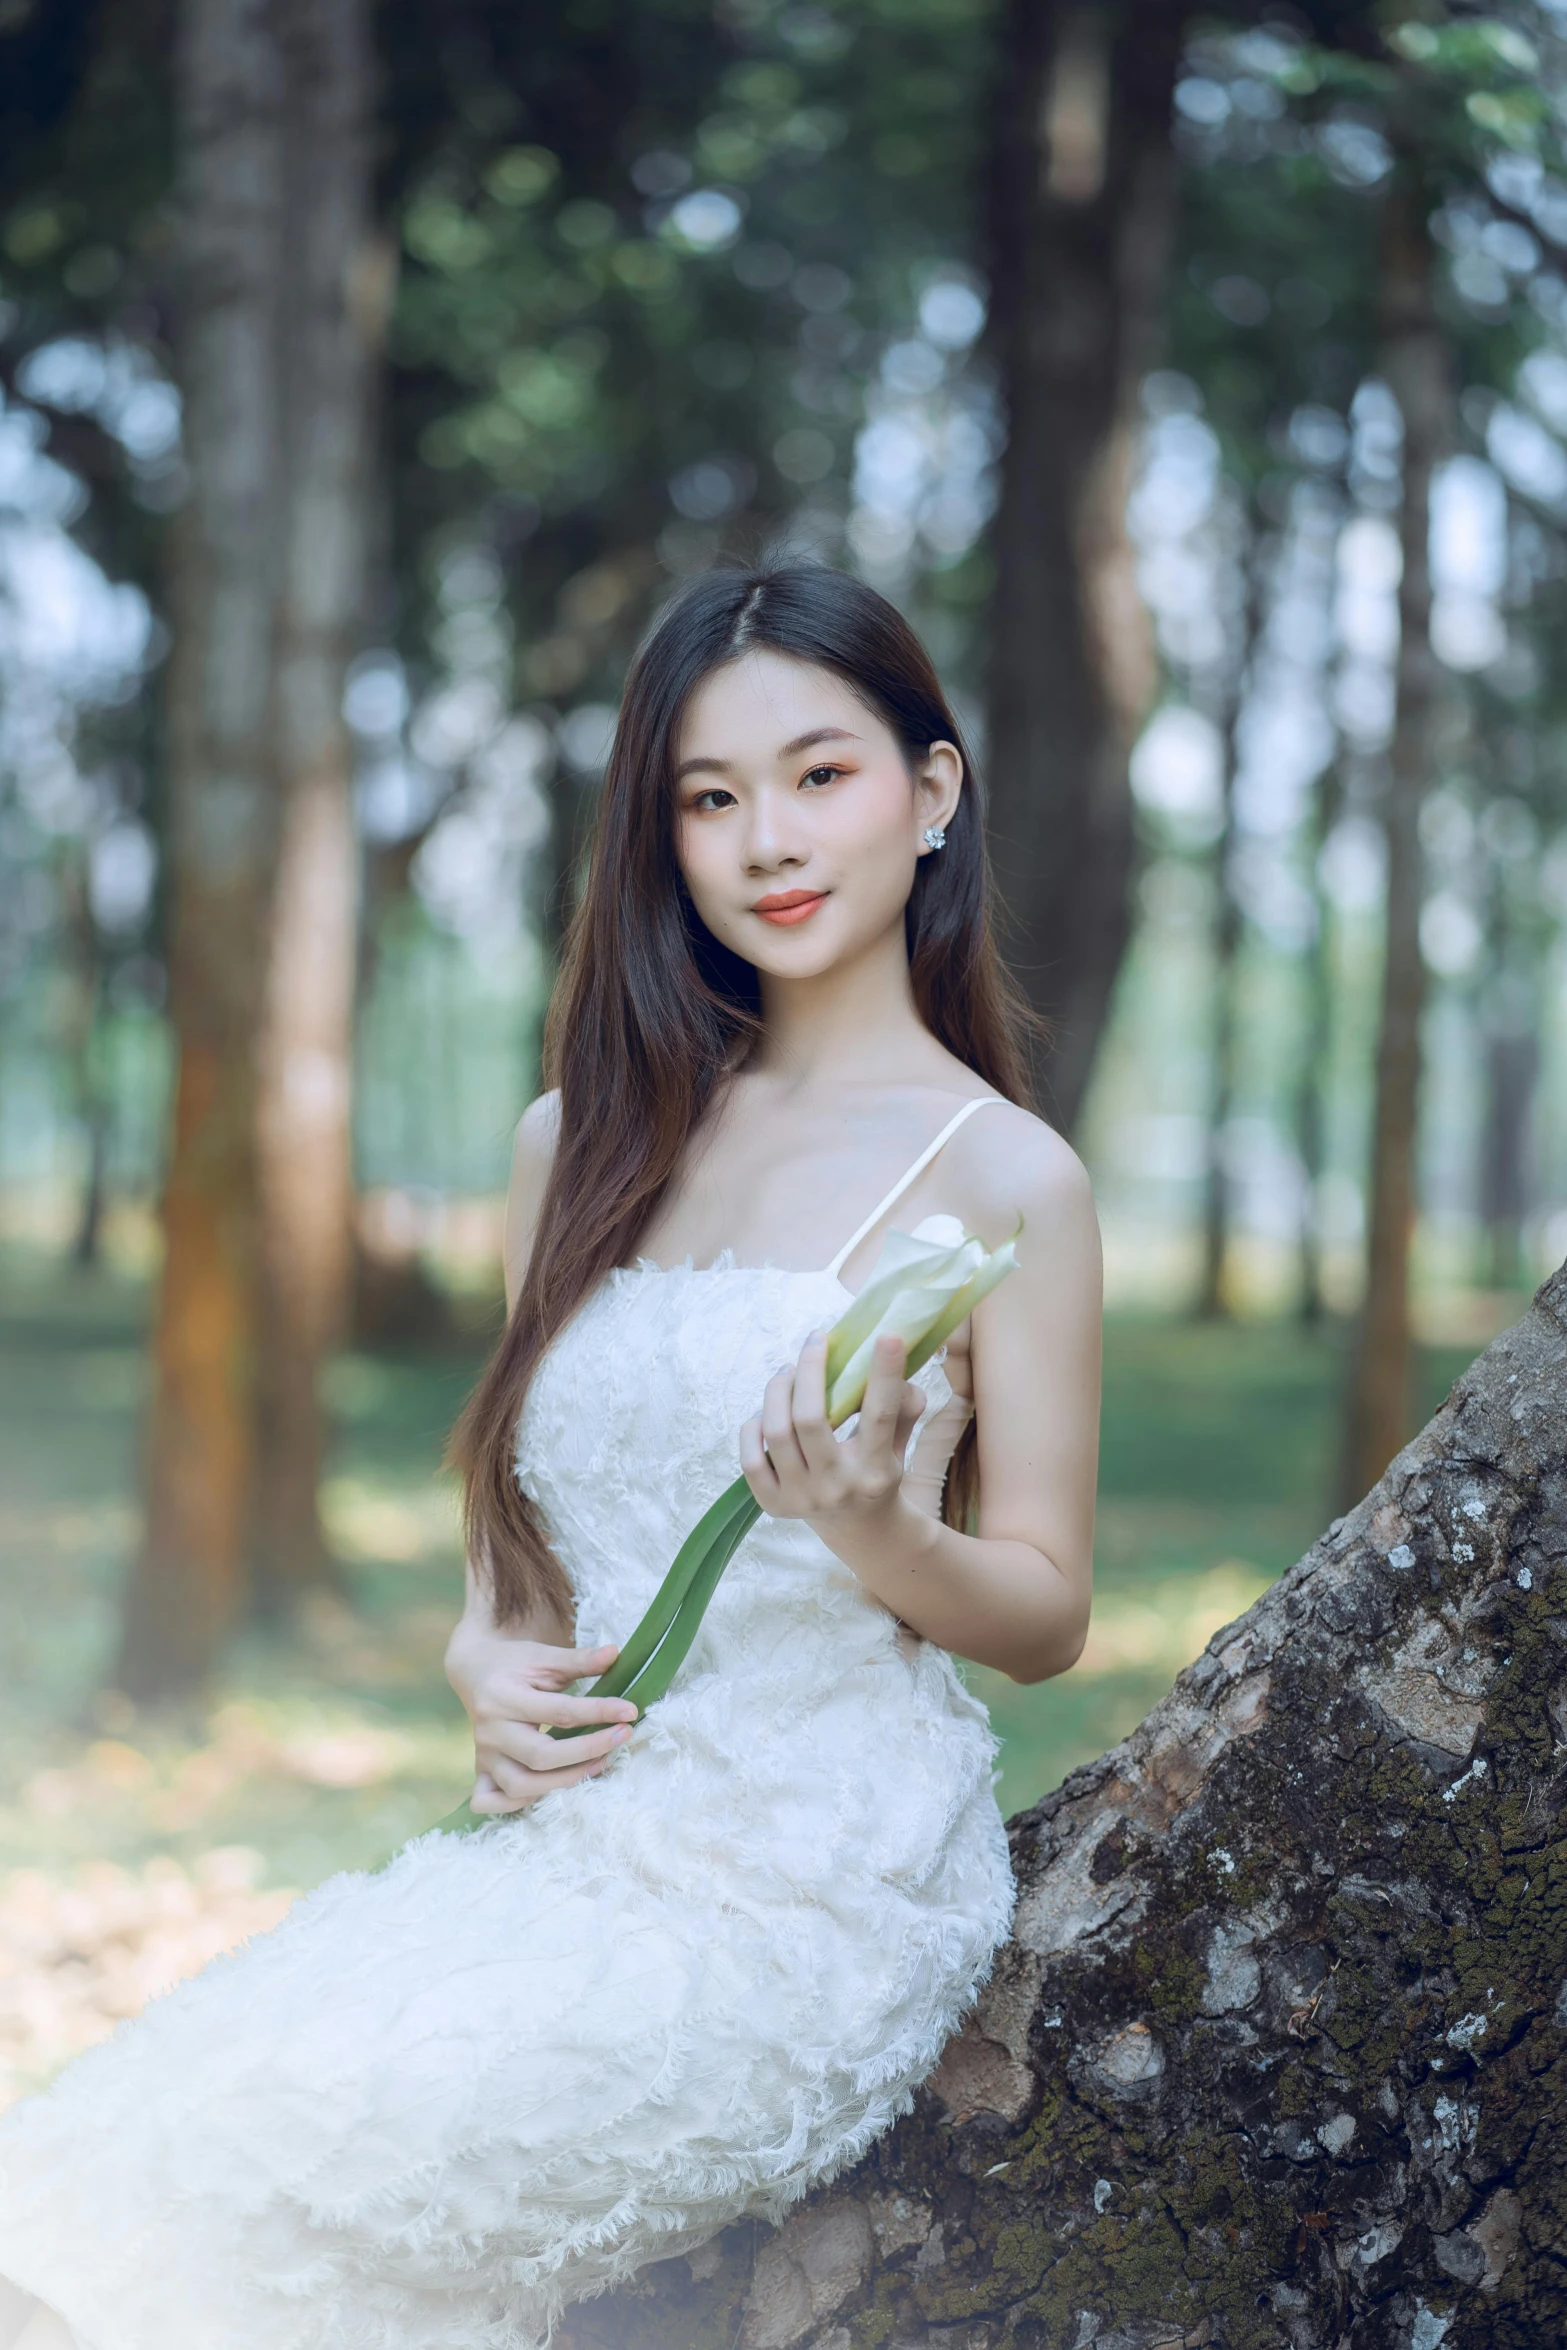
(666, 1601)
(655, 1677)
(660, 1653)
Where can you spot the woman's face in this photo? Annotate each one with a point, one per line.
(798, 823)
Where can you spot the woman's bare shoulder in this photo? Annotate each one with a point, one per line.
(538, 1131)
(1008, 1163)
(533, 1154)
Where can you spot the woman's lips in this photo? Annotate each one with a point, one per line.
(789, 905)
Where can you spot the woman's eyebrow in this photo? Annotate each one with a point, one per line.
(801, 742)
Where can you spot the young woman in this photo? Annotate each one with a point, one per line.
(699, 1960)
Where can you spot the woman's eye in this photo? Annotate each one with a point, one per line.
(715, 798)
(820, 775)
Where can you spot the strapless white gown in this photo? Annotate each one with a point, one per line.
(440, 2103)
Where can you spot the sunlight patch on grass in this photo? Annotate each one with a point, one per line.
(74, 1530)
(1168, 1623)
(172, 1785)
(370, 1524)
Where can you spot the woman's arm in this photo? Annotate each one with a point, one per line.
(512, 1681)
(1016, 1594)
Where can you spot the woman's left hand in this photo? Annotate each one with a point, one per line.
(792, 1458)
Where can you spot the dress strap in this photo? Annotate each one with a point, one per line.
(980, 1102)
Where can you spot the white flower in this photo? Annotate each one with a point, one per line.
(924, 1284)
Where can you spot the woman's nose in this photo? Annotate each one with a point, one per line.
(771, 841)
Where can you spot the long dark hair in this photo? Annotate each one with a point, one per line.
(650, 1012)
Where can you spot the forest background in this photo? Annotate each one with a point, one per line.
(1196, 379)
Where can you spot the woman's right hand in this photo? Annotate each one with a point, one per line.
(512, 1690)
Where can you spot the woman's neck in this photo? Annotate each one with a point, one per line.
(855, 1021)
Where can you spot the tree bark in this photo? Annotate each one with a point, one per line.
(1082, 196)
(1276, 2057)
(1418, 367)
(188, 1582)
(330, 323)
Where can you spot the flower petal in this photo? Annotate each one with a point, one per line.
(991, 1273)
(904, 1263)
(941, 1231)
(908, 1315)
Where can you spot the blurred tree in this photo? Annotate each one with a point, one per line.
(337, 275)
(273, 108)
(83, 165)
(86, 964)
(650, 283)
(189, 1581)
(1316, 1051)
(1212, 1296)
(1271, 323)
(1417, 363)
(1274, 317)
(1449, 95)
(1083, 191)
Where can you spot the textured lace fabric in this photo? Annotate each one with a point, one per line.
(438, 2104)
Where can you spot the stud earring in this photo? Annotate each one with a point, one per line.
(935, 836)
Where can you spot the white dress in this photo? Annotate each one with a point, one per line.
(438, 2104)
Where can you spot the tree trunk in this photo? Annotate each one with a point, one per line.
(1510, 1027)
(306, 1039)
(82, 1042)
(1276, 2057)
(1316, 1056)
(1212, 1301)
(1083, 189)
(188, 1582)
(1417, 365)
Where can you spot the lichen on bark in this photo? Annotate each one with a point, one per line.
(1276, 2058)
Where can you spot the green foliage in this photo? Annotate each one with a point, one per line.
(645, 291)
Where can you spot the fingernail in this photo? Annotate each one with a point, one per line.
(622, 1734)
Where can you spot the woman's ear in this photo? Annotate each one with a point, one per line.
(938, 785)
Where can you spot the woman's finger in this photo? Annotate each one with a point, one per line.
(502, 1785)
(755, 1466)
(528, 1704)
(492, 1802)
(778, 1426)
(535, 1750)
(910, 1413)
(813, 1436)
(883, 1391)
(488, 1799)
(575, 1664)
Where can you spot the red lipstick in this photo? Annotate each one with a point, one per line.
(789, 905)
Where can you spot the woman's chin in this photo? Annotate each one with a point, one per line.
(789, 954)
